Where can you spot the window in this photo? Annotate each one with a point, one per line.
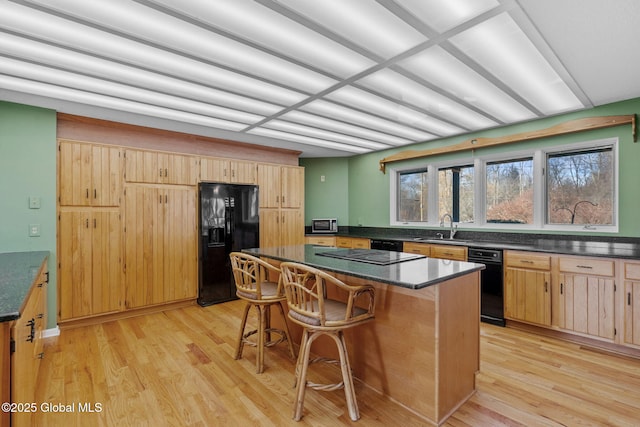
(456, 192)
(580, 187)
(509, 191)
(570, 188)
(412, 196)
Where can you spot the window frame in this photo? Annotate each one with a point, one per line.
(479, 162)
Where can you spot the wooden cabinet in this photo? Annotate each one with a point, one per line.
(26, 333)
(281, 205)
(527, 283)
(585, 296)
(321, 240)
(90, 267)
(225, 170)
(631, 335)
(160, 245)
(457, 253)
(353, 242)
(417, 248)
(156, 167)
(89, 175)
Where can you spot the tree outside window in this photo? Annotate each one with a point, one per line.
(412, 196)
(580, 187)
(509, 192)
(456, 192)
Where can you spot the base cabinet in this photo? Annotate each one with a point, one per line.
(26, 334)
(527, 296)
(631, 303)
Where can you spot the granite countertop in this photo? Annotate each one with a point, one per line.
(412, 274)
(18, 270)
(627, 248)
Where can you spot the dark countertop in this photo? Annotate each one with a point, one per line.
(18, 270)
(596, 246)
(412, 274)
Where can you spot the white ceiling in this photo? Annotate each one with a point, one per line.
(327, 78)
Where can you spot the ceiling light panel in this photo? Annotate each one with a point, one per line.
(338, 112)
(397, 112)
(502, 48)
(364, 22)
(345, 128)
(62, 58)
(323, 134)
(397, 86)
(252, 21)
(308, 140)
(93, 99)
(168, 31)
(42, 26)
(88, 84)
(444, 15)
(445, 71)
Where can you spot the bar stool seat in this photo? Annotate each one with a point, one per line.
(253, 285)
(309, 307)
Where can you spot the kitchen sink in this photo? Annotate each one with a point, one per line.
(443, 241)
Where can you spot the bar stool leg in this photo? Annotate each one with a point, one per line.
(287, 332)
(243, 325)
(301, 382)
(347, 378)
(262, 324)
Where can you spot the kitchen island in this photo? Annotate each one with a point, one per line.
(423, 348)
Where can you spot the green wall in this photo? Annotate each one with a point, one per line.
(330, 197)
(368, 188)
(28, 169)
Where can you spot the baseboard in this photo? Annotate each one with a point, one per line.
(53, 332)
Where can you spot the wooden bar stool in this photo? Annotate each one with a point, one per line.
(306, 291)
(251, 277)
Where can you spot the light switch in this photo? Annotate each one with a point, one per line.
(321, 178)
(34, 230)
(34, 202)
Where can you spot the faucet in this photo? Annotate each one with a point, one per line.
(452, 229)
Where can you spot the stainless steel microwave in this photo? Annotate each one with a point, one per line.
(324, 225)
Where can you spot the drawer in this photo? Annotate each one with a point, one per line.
(360, 243)
(457, 253)
(599, 267)
(344, 242)
(631, 271)
(321, 241)
(527, 260)
(417, 248)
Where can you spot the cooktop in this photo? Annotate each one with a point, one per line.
(371, 256)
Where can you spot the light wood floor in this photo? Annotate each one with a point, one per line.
(176, 368)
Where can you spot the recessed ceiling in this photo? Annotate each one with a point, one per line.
(327, 78)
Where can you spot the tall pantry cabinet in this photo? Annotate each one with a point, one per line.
(128, 224)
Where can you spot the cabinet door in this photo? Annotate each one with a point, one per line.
(75, 163)
(144, 257)
(180, 279)
(144, 166)
(106, 278)
(106, 176)
(527, 296)
(458, 253)
(214, 169)
(417, 248)
(270, 184)
(292, 187)
(270, 228)
(243, 172)
(586, 305)
(75, 258)
(179, 169)
(632, 312)
(292, 227)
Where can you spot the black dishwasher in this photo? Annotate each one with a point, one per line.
(491, 284)
(387, 245)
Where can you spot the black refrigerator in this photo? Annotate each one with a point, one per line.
(228, 222)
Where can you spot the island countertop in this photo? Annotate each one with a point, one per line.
(18, 270)
(413, 274)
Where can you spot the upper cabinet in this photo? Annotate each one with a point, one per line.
(156, 167)
(281, 186)
(90, 174)
(224, 170)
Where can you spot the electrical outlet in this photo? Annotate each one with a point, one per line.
(34, 202)
(34, 230)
